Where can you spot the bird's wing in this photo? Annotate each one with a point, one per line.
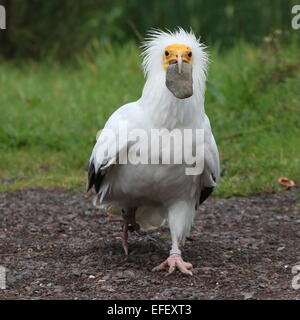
(211, 172)
(109, 145)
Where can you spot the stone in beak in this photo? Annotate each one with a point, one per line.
(179, 79)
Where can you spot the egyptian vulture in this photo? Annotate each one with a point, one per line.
(144, 192)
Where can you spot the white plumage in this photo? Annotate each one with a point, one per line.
(147, 195)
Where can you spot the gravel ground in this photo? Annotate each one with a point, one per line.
(56, 245)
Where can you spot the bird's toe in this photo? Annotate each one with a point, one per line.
(175, 261)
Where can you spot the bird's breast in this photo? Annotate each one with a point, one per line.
(158, 183)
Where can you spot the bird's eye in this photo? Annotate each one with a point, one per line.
(166, 53)
(190, 54)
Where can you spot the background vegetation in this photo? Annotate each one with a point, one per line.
(67, 65)
(65, 28)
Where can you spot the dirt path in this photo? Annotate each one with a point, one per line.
(54, 244)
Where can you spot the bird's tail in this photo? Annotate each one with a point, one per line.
(151, 217)
(147, 217)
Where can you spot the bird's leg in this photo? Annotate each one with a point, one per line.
(180, 219)
(129, 217)
(175, 260)
(125, 237)
(129, 223)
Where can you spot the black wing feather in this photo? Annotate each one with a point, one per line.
(207, 191)
(94, 178)
(91, 176)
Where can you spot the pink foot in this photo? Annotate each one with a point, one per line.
(175, 260)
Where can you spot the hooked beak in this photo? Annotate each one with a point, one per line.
(179, 62)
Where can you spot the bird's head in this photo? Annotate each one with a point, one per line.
(178, 57)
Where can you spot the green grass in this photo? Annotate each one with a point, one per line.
(50, 114)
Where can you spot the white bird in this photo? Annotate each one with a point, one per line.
(145, 196)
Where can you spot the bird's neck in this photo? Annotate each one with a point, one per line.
(167, 111)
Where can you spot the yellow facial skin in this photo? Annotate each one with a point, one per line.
(177, 53)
